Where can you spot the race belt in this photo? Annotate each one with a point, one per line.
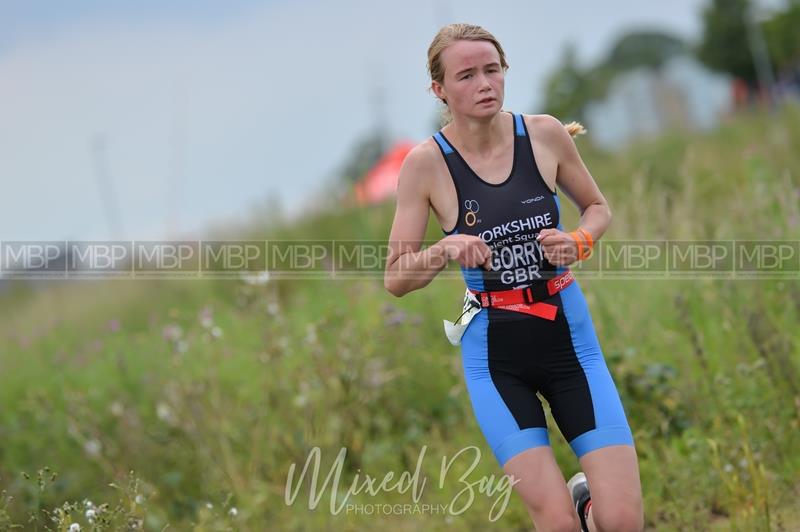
(527, 300)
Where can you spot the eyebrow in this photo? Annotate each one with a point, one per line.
(473, 68)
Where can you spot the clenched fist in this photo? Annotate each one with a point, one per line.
(558, 247)
(468, 250)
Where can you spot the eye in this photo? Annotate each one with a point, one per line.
(466, 76)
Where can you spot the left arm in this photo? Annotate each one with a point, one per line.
(574, 179)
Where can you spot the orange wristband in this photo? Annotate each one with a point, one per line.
(588, 236)
(579, 242)
(585, 242)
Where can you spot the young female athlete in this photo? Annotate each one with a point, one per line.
(490, 177)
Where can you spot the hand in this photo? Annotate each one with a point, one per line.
(559, 248)
(469, 251)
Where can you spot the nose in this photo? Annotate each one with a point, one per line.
(484, 83)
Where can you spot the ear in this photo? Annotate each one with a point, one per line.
(438, 90)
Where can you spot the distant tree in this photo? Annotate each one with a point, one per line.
(644, 48)
(364, 154)
(570, 88)
(567, 89)
(724, 46)
(782, 33)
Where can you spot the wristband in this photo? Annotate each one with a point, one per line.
(579, 242)
(588, 236)
(584, 241)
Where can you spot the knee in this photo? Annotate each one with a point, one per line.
(618, 519)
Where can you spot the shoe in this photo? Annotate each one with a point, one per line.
(578, 488)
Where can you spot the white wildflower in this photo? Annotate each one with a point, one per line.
(164, 412)
(300, 401)
(74, 527)
(117, 409)
(233, 512)
(257, 278)
(92, 447)
(139, 499)
(216, 332)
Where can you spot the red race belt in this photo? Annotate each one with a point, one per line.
(527, 300)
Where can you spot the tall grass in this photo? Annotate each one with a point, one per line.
(194, 397)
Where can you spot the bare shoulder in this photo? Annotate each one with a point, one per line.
(422, 154)
(418, 166)
(548, 129)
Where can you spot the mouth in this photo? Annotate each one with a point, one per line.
(486, 100)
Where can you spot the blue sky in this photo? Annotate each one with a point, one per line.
(209, 109)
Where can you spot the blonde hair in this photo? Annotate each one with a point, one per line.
(575, 129)
(468, 32)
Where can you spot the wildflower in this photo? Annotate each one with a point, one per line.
(139, 499)
(92, 447)
(216, 332)
(233, 512)
(172, 332)
(164, 413)
(206, 318)
(74, 527)
(395, 318)
(117, 409)
(259, 278)
(300, 400)
(90, 514)
(209, 505)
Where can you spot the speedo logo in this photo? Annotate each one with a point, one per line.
(471, 216)
(531, 200)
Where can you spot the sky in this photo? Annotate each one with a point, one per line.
(152, 119)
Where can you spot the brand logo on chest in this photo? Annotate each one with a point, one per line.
(471, 216)
(531, 200)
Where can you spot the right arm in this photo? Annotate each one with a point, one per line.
(407, 267)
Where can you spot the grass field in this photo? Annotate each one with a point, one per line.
(182, 404)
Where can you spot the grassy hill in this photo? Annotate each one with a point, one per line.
(194, 397)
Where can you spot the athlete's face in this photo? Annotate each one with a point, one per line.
(474, 81)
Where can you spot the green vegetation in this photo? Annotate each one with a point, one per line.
(194, 397)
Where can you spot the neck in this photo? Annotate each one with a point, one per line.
(479, 135)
